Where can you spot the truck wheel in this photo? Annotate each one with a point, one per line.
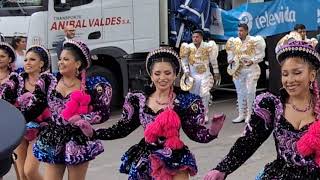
(96, 70)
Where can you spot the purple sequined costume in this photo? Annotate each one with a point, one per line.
(136, 161)
(9, 90)
(13, 91)
(60, 142)
(268, 118)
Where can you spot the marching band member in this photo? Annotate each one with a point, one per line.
(244, 54)
(299, 33)
(195, 59)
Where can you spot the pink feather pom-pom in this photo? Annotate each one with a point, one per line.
(174, 143)
(78, 104)
(76, 95)
(313, 135)
(83, 110)
(169, 119)
(309, 143)
(171, 133)
(152, 132)
(70, 109)
(167, 125)
(315, 129)
(304, 145)
(81, 97)
(85, 100)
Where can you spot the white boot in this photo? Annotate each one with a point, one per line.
(239, 119)
(205, 101)
(241, 109)
(242, 114)
(250, 100)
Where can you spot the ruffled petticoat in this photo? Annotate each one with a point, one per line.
(32, 130)
(145, 161)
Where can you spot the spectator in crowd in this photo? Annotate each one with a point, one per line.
(299, 33)
(2, 38)
(69, 33)
(19, 44)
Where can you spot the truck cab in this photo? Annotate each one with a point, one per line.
(119, 33)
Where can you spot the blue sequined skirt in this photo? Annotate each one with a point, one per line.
(147, 162)
(64, 144)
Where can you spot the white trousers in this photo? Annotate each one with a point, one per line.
(202, 85)
(246, 85)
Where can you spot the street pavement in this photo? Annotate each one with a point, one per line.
(105, 166)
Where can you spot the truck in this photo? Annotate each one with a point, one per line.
(119, 34)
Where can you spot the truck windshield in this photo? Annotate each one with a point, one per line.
(21, 7)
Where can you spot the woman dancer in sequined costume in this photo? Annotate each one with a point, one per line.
(37, 61)
(288, 117)
(75, 102)
(7, 59)
(161, 110)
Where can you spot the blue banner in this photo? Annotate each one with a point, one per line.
(265, 19)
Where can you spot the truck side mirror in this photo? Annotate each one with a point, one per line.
(62, 7)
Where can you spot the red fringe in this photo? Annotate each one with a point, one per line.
(166, 124)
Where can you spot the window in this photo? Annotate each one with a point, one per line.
(224, 4)
(72, 3)
(22, 7)
(20, 3)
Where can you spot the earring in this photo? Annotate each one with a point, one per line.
(77, 72)
(151, 84)
(311, 85)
